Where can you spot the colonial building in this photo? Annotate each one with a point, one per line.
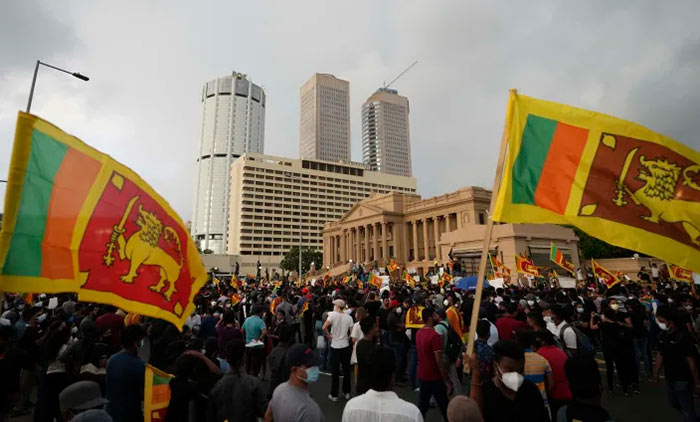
(417, 232)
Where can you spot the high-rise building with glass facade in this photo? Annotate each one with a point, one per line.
(386, 138)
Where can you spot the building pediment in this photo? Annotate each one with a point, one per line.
(361, 211)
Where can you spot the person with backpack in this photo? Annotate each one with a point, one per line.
(572, 340)
(451, 347)
(432, 375)
(559, 392)
(585, 385)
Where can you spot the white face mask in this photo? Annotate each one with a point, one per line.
(547, 318)
(530, 303)
(579, 310)
(661, 325)
(512, 380)
(445, 302)
(614, 306)
(399, 310)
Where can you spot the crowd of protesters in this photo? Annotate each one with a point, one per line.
(250, 351)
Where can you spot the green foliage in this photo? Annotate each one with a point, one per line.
(290, 262)
(592, 247)
(207, 251)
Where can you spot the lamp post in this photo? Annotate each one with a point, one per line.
(36, 71)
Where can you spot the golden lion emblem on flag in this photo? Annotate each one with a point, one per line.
(658, 192)
(142, 248)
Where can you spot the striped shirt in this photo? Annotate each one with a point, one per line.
(536, 369)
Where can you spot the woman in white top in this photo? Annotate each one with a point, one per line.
(356, 335)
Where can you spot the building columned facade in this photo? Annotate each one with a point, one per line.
(279, 203)
(233, 123)
(417, 232)
(386, 140)
(324, 119)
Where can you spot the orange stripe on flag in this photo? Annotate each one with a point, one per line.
(560, 167)
(71, 186)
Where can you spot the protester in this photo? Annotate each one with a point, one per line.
(80, 397)
(365, 352)
(237, 396)
(677, 357)
(254, 330)
(125, 378)
(537, 369)
(585, 382)
(340, 325)
(380, 403)
(291, 401)
(277, 361)
(558, 389)
(507, 324)
(508, 397)
(11, 362)
(463, 409)
(432, 374)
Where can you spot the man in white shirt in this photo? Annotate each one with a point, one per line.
(568, 335)
(337, 328)
(380, 403)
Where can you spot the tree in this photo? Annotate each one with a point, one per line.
(290, 262)
(595, 248)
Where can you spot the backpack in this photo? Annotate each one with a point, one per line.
(454, 343)
(584, 346)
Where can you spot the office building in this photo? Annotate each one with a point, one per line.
(386, 140)
(278, 203)
(233, 123)
(324, 124)
(417, 232)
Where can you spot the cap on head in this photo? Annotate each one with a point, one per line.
(302, 355)
(339, 303)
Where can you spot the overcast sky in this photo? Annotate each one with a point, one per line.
(148, 61)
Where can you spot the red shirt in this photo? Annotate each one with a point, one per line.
(507, 326)
(557, 358)
(428, 341)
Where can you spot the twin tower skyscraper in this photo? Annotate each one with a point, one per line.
(233, 123)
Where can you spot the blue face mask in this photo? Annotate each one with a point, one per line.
(311, 374)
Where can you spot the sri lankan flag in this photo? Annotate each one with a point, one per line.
(156, 397)
(234, 282)
(525, 266)
(346, 279)
(274, 303)
(556, 256)
(606, 276)
(375, 280)
(615, 180)
(414, 317)
(446, 278)
(495, 263)
(235, 299)
(409, 280)
(680, 274)
(392, 265)
(75, 220)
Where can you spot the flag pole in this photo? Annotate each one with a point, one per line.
(489, 229)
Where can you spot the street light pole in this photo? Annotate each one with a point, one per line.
(36, 71)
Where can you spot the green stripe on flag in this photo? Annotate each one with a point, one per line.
(158, 380)
(536, 139)
(45, 157)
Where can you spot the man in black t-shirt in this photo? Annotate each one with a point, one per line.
(372, 305)
(365, 349)
(508, 396)
(678, 358)
(584, 382)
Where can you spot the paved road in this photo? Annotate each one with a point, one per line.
(650, 405)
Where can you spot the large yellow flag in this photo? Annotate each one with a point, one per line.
(78, 221)
(614, 179)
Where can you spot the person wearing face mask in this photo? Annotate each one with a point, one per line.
(237, 395)
(124, 379)
(617, 345)
(397, 328)
(291, 400)
(677, 357)
(507, 397)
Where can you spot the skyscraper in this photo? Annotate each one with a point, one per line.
(324, 129)
(233, 123)
(386, 140)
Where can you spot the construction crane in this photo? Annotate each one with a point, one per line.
(400, 74)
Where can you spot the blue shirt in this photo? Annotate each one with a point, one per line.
(253, 326)
(124, 387)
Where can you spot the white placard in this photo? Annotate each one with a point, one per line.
(53, 303)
